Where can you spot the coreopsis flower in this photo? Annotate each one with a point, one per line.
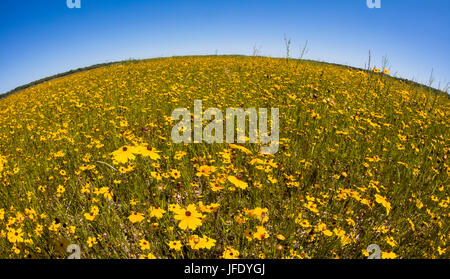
(442, 251)
(175, 245)
(208, 242)
(388, 255)
(60, 190)
(208, 208)
(304, 223)
(248, 234)
(194, 241)
(156, 212)
(391, 241)
(241, 148)
(15, 235)
(281, 237)
(383, 201)
(215, 187)
(260, 233)
(230, 253)
(262, 214)
(54, 226)
(156, 175)
(189, 218)
(136, 217)
(179, 155)
(147, 151)
(323, 228)
(312, 207)
(123, 154)
(237, 182)
(91, 241)
(174, 207)
(175, 173)
(144, 244)
(205, 170)
(92, 214)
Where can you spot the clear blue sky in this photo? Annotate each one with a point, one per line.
(42, 38)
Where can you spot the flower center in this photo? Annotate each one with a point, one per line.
(188, 213)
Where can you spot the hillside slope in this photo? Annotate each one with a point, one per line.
(88, 159)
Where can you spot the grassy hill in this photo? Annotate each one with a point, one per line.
(86, 158)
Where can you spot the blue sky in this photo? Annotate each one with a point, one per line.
(42, 38)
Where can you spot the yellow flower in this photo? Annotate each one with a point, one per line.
(205, 170)
(175, 174)
(15, 235)
(262, 214)
(230, 253)
(388, 255)
(208, 242)
(304, 223)
(390, 240)
(312, 206)
(156, 212)
(145, 245)
(237, 182)
(189, 218)
(54, 226)
(175, 245)
(90, 216)
(123, 154)
(60, 189)
(194, 240)
(413, 228)
(260, 233)
(241, 148)
(174, 207)
(442, 251)
(91, 241)
(323, 228)
(383, 201)
(350, 222)
(419, 204)
(156, 175)
(147, 151)
(208, 208)
(215, 187)
(444, 203)
(136, 217)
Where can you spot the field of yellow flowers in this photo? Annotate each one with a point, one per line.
(87, 159)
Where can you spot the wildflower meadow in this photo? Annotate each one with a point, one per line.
(87, 160)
